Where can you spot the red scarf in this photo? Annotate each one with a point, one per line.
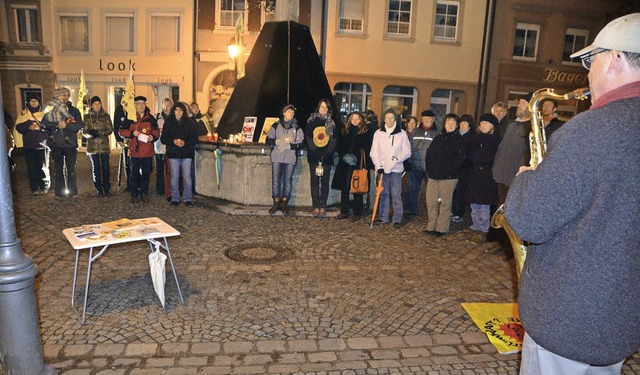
(630, 90)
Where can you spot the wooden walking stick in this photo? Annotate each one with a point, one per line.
(379, 190)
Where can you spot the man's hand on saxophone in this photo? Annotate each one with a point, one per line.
(525, 168)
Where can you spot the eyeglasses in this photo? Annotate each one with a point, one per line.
(588, 59)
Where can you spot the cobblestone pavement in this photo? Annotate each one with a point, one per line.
(339, 298)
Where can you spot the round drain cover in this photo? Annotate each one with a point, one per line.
(259, 253)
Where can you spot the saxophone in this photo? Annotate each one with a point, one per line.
(538, 146)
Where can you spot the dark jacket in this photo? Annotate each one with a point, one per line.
(32, 139)
(185, 130)
(481, 188)
(445, 156)
(553, 125)
(120, 121)
(146, 124)
(67, 137)
(99, 122)
(352, 143)
(580, 287)
(315, 153)
(512, 152)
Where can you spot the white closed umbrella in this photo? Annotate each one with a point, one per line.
(158, 271)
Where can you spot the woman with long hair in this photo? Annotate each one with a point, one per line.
(97, 129)
(180, 136)
(354, 143)
(321, 136)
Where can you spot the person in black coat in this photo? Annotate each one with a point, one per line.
(467, 130)
(354, 142)
(445, 158)
(482, 190)
(321, 136)
(180, 136)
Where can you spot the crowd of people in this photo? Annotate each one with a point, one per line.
(51, 131)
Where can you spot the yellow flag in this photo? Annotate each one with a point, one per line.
(240, 44)
(82, 91)
(127, 98)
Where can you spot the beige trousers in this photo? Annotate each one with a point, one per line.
(438, 216)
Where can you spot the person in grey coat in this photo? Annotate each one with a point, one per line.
(579, 297)
(97, 129)
(285, 139)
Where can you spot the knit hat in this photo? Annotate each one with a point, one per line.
(287, 107)
(95, 99)
(526, 97)
(488, 117)
(140, 97)
(428, 113)
(469, 119)
(60, 91)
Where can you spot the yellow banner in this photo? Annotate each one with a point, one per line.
(127, 98)
(82, 91)
(500, 322)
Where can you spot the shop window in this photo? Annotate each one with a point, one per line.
(525, 43)
(351, 97)
(401, 99)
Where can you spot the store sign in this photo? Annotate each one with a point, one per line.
(554, 75)
(117, 66)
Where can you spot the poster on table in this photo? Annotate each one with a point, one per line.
(268, 123)
(248, 128)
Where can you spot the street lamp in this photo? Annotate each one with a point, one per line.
(20, 341)
(232, 47)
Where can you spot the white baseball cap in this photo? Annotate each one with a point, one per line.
(621, 34)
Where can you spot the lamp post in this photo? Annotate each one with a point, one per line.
(20, 341)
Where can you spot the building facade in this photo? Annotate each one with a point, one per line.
(531, 45)
(48, 44)
(406, 55)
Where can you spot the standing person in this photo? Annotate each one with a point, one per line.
(36, 152)
(579, 208)
(390, 148)
(481, 190)
(500, 110)
(210, 115)
(62, 122)
(467, 130)
(354, 142)
(512, 153)
(180, 136)
(98, 128)
(550, 117)
(141, 135)
(412, 123)
(285, 138)
(421, 139)
(159, 148)
(445, 158)
(321, 136)
(120, 121)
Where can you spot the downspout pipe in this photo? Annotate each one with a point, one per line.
(485, 57)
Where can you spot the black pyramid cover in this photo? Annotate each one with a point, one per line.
(284, 67)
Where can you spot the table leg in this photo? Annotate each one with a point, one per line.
(86, 288)
(75, 275)
(166, 244)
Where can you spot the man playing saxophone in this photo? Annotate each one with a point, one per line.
(579, 296)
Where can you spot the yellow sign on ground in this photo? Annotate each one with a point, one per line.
(500, 322)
